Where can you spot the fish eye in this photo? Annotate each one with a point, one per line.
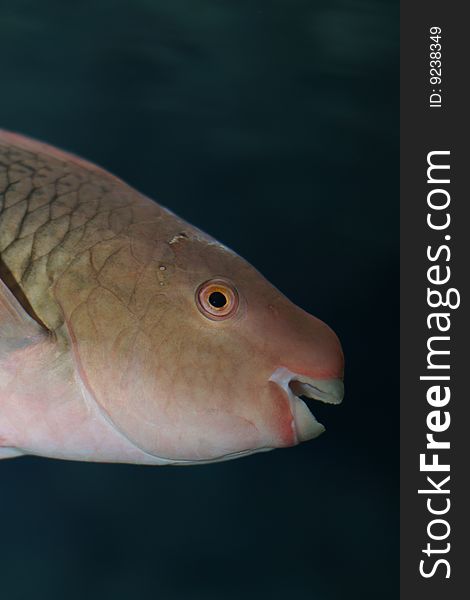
(217, 299)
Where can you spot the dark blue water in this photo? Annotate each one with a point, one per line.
(273, 125)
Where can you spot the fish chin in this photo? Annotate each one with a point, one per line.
(329, 391)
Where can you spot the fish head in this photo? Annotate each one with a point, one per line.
(238, 354)
(195, 357)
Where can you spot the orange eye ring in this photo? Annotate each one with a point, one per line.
(217, 299)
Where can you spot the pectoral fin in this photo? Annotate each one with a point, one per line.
(17, 328)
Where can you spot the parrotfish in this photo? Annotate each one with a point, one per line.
(128, 335)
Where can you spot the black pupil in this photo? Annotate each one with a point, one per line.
(217, 300)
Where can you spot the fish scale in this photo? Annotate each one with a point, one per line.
(52, 212)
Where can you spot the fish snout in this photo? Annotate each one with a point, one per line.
(310, 366)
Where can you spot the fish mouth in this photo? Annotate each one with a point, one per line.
(330, 391)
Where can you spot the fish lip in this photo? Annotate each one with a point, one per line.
(329, 391)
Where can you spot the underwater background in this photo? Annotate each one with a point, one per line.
(273, 126)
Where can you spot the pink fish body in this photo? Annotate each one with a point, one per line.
(128, 335)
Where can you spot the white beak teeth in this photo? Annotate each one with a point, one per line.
(306, 426)
(330, 391)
